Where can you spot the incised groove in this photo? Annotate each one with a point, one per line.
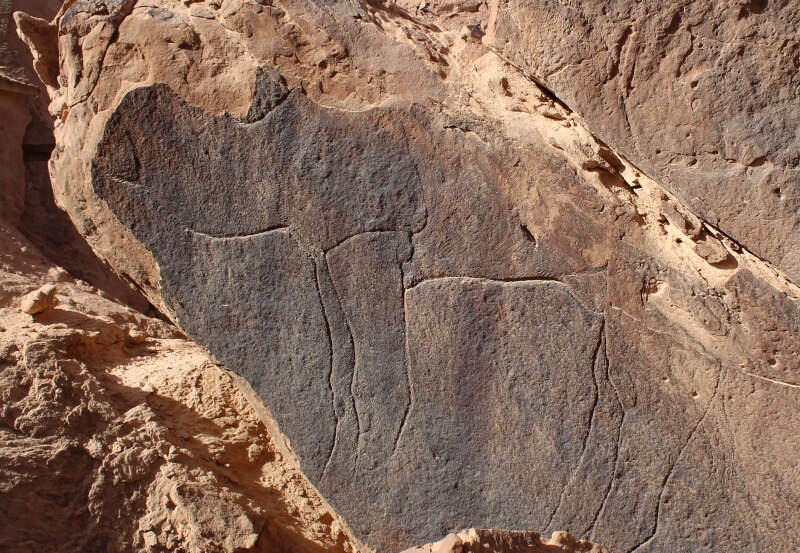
(671, 470)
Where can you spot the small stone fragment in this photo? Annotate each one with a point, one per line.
(712, 250)
(39, 300)
(150, 538)
(137, 336)
(472, 33)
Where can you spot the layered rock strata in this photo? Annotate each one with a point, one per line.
(698, 94)
(463, 306)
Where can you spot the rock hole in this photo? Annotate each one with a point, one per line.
(754, 7)
(506, 87)
(649, 288)
(727, 264)
(610, 180)
(528, 234)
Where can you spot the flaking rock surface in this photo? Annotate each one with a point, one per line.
(462, 306)
(26, 141)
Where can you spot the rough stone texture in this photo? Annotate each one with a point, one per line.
(39, 300)
(463, 308)
(16, 88)
(118, 434)
(500, 541)
(26, 141)
(699, 94)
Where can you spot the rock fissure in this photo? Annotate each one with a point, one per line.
(317, 262)
(407, 361)
(615, 463)
(256, 234)
(512, 280)
(509, 280)
(734, 247)
(612, 479)
(354, 371)
(534, 79)
(772, 380)
(350, 237)
(410, 386)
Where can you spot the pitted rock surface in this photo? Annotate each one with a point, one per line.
(463, 307)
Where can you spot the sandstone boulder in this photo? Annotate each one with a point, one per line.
(26, 141)
(497, 541)
(463, 307)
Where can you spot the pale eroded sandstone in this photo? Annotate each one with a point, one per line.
(477, 540)
(700, 94)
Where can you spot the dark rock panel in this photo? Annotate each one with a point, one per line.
(367, 276)
(504, 396)
(458, 317)
(285, 246)
(268, 323)
(329, 176)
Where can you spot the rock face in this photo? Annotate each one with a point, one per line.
(462, 306)
(698, 94)
(118, 434)
(499, 541)
(26, 141)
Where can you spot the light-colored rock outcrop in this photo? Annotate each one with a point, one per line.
(118, 434)
(463, 304)
(476, 540)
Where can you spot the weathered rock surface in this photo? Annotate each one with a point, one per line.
(118, 434)
(699, 94)
(26, 141)
(463, 308)
(18, 86)
(477, 540)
